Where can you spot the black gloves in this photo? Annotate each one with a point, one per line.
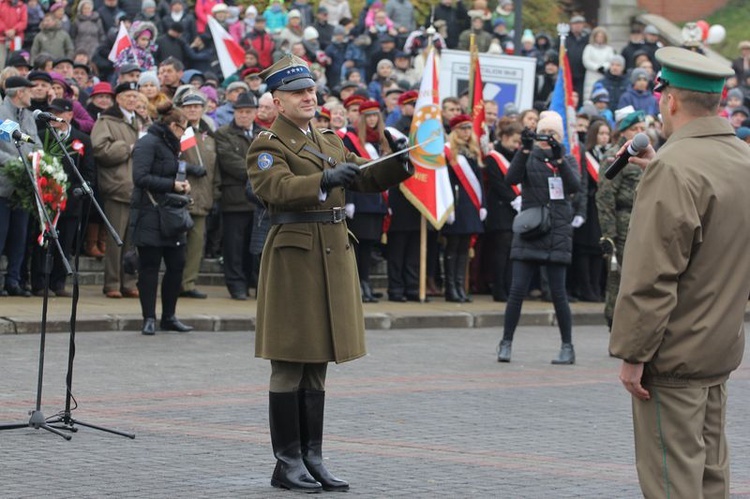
(341, 176)
(527, 139)
(195, 170)
(606, 245)
(557, 148)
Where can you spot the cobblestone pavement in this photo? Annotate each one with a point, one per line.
(428, 413)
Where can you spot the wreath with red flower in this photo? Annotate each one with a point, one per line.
(51, 182)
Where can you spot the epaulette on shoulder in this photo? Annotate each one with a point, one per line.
(267, 134)
(326, 130)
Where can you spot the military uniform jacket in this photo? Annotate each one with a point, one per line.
(309, 305)
(686, 275)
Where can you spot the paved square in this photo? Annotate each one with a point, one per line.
(428, 413)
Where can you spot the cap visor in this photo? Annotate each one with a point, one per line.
(295, 85)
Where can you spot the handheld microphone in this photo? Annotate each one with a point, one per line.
(9, 131)
(637, 145)
(41, 115)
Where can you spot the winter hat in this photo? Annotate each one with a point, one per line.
(736, 93)
(251, 11)
(550, 120)
(617, 59)
(219, 7)
(148, 4)
(210, 93)
(82, 3)
(149, 77)
(600, 95)
(528, 36)
(310, 34)
(294, 13)
(339, 30)
(638, 74)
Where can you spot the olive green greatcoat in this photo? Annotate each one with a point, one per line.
(309, 305)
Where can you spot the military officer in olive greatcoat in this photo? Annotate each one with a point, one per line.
(678, 323)
(309, 304)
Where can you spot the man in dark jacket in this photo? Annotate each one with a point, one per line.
(325, 30)
(232, 142)
(575, 43)
(178, 14)
(615, 81)
(456, 19)
(109, 12)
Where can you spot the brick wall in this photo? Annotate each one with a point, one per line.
(681, 10)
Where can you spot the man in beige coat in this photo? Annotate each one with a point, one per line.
(113, 138)
(678, 322)
(309, 304)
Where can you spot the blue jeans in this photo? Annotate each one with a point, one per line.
(523, 272)
(13, 226)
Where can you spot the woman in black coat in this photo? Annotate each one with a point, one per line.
(155, 171)
(464, 161)
(500, 211)
(366, 211)
(548, 177)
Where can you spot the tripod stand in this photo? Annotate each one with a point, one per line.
(37, 419)
(64, 420)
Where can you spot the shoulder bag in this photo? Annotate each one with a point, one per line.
(532, 223)
(174, 218)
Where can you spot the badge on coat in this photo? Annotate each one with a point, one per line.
(265, 160)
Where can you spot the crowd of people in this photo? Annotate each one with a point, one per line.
(367, 69)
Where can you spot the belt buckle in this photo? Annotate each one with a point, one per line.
(337, 215)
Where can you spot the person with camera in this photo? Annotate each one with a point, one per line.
(543, 234)
(157, 177)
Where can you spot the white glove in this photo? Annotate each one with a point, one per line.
(390, 212)
(578, 220)
(451, 218)
(482, 214)
(349, 210)
(516, 204)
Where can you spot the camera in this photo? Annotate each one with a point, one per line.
(542, 137)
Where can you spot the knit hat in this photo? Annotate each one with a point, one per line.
(149, 77)
(309, 34)
(550, 120)
(528, 36)
(617, 59)
(600, 94)
(210, 93)
(638, 74)
(238, 84)
(736, 93)
(294, 13)
(148, 4)
(339, 30)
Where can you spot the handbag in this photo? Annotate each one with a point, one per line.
(532, 223)
(174, 218)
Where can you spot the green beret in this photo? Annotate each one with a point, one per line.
(683, 68)
(630, 120)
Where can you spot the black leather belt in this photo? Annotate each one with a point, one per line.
(332, 216)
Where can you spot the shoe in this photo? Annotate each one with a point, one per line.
(194, 293)
(91, 247)
(3, 292)
(130, 293)
(63, 293)
(504, 350)
(566, 356)
(16, 290)
(239, 296)
(415, 298)
(397, 298)
(173, 324)
(149, 326)
(367, 296)
(113, 294)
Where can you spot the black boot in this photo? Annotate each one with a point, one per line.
(566, 356)
(311, 408)
(461, 265)
(504, 350)
(290, 472)
(451, 294)
(367, 295)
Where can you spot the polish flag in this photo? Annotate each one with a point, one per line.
(121, 43)
(231, 55)
(188, 139)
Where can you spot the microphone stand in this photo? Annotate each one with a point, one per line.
(37, 419)
(64, 418)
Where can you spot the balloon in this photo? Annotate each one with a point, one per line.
(716, 34)
(703, 25)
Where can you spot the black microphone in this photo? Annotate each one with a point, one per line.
(636, 146)
(41, 115)
(19, 136)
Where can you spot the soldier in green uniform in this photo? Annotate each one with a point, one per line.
(678, 323)
(309, 303)
(614, 201)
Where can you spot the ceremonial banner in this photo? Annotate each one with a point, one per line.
(429, 189)
(476, 96)
(561, 102)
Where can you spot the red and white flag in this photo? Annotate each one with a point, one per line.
(429, 189)
(230, 54)
(121, 43)
(188, 139)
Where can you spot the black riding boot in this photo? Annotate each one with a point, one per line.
(461, 265)
(290, 472)
(311, 407)
(451, 294)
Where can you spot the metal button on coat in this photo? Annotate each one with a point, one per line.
(328, 251)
